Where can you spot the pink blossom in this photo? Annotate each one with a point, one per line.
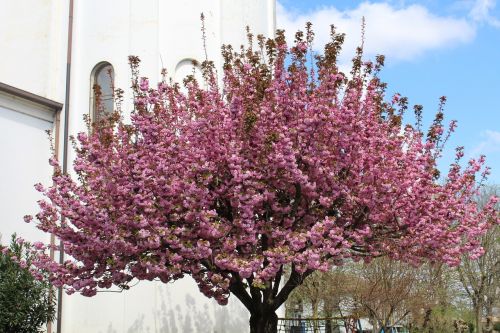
(144, 84)
(231, 181)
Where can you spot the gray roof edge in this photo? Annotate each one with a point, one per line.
(30, 96)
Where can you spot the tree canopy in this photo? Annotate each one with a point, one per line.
(281, 160)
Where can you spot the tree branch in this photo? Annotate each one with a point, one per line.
(255, 293)
(293, 282)
(296, 200)
(239, 290)
(277, 281)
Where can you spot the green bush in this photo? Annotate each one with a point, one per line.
(26, 303)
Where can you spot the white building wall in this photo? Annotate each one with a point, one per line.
(25, 150)
(162, 33)
(33, 44)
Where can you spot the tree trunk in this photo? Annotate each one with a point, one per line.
(328, 309)
(264, 323)
(375, 325)
(427, 320)
(489, 316)
(262, 303)
(314, 308)
(478, 314)
(328, 326)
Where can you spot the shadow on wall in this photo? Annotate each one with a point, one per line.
(191, 316)
(110, 329)
(137, 327)
(231, 318)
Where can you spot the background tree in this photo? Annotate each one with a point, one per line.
(438, 303)
(429, 298)
(285, 164)
(312, 293)
(383, 289)
(336, 297)
(481, 277)
(326, 294)
(26, 303)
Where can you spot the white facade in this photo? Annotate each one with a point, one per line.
(25, 150)
(164, 34)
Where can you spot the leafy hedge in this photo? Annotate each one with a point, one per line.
(26, 304)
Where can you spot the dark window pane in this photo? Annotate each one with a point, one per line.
(103, 77)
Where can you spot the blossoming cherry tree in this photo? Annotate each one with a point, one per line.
(274, 163)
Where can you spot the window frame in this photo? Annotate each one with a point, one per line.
(96, 71)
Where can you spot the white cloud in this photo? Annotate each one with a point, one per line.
(400, 33)
(481, 12)
(490, 144)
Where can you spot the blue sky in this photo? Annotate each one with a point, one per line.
(432, 48)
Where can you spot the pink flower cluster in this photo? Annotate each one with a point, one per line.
(278, 166)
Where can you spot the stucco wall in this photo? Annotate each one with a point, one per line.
(162, 33)
(25, 150)
(33, 43)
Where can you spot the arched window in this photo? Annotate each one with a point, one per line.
(188, 67)
(102, 83)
